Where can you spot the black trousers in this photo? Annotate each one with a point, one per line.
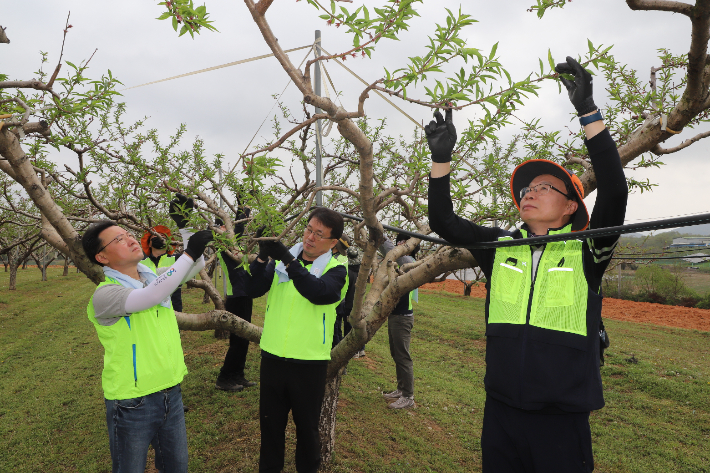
(236, 356)
(519, 441)
(297, 387)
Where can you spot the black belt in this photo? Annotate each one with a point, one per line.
(166, 390)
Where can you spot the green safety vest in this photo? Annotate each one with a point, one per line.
(225, 274)
(559, 291)
(165, 261)
(294, 327)
(142, 352)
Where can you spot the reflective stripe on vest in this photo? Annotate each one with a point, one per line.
(142, 352)
(559, 299)
(294, 327)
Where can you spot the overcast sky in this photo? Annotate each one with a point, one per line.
(225, 107)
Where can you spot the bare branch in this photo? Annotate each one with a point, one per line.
(661, 5)
(659, 150)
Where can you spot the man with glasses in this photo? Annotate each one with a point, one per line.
(143, 358)
(543, 309)
(305, 285)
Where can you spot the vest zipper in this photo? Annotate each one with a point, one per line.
(527, 318)
(323, 328)
(135, 370)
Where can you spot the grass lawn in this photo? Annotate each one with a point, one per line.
(657, 388)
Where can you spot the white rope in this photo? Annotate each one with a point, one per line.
(256, 58)
(272, 107)
(375, 91)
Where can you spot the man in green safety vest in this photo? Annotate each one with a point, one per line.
(143, 358)
(543, 309)
(305, 285)
(159, 253)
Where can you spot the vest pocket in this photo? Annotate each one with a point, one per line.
(506, 286)
(560, 287)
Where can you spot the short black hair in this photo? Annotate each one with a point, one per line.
(91, 242)
(329, 218)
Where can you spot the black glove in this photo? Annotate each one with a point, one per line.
(157, 242)
(441, 136)
(197, 243)
(279, 252)
(263, 251)
(579, 91)
(274, 249)
(239, 227)
(178, 203)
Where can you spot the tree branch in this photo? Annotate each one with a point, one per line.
(661, 5)
(659, 150)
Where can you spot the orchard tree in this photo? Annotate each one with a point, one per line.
(129, 174)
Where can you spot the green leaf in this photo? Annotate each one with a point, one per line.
(550, 60)
(493, 51)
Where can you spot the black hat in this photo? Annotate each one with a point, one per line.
(525, 172)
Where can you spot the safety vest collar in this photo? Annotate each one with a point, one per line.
(524, 230)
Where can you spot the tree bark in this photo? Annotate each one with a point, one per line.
(13, 277)
(467, 288)
(66, 266)
(328, 414)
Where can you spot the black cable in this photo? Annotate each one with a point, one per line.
(540, 240)
(660, 257)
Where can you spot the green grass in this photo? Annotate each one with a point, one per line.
(657, 416)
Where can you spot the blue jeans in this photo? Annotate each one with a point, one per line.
(157, 419)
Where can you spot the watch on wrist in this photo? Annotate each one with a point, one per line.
(595, 117)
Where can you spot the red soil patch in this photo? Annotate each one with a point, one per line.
(617, 309)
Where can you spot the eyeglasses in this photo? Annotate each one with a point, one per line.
(318, 236)
(119, 239)
(541, 189)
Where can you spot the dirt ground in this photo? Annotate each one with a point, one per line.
(641, 312)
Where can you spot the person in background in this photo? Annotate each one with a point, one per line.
(239, 302)
(399, 330)
(543, 309)
(159, 253)
(342, 326)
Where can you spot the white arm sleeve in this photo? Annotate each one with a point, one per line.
(161, 287)
(196, 268)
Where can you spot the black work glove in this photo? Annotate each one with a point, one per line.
(263, 251)
(274, 249)
(239, 227)
(579, 91)
(178, 215)
(197, 243)
(441, 136)
(279, 252)
(157, 242)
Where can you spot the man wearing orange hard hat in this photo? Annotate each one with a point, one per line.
(160, 253)
(543, 309)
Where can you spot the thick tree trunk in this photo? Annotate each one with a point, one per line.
(13, 276)
(328, 412)
(467, 288)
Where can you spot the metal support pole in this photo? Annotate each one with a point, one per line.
(221, 206)
(618, 284)
(319, 137)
